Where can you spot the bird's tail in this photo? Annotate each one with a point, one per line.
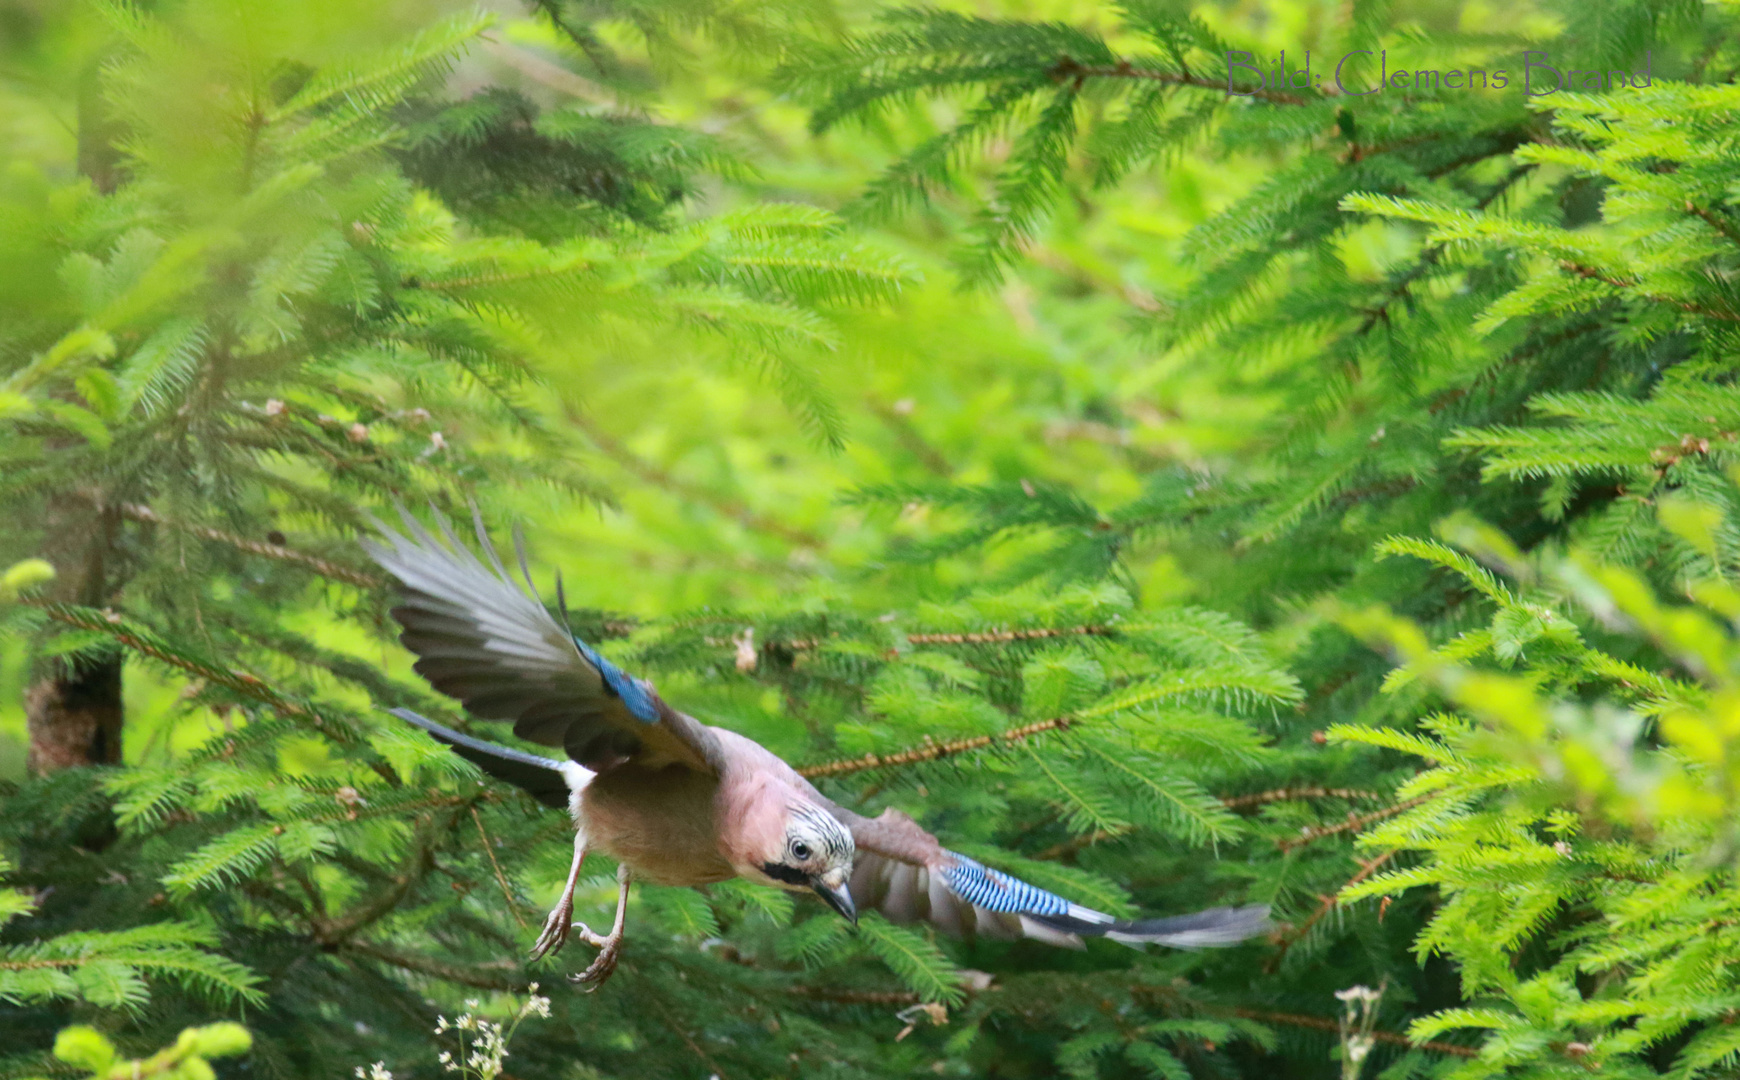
(544, 779)
(1213, 928)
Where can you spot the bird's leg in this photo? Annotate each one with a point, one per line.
(561, 916)
(610, 945)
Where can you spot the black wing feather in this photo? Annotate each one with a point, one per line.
(539, 777)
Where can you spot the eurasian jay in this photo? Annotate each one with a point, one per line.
(678, 802)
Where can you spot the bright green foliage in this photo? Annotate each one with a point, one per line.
(111, 969)
(88, 1051)
(1577, 815)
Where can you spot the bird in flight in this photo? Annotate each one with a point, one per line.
(678, 802)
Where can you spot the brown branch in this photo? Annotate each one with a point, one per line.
(695, 1048)
(1594, 274)
(323, 567)
(986, 637)
(241, 682)
(330, 932)
(500, 878)
(998, 636)
(1067, 69)
(1354, 823)
(855, 997)
(1232, 802)
(1431, 255)
(1239, 802)
(1327, 903)
(932, 751)
(1320, 1023)
(1076, 843)
(909, 436)
(1317, 1023)
(1715, 221)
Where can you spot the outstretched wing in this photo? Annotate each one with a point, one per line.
(547, 780)
(903, 872)
(481, 639)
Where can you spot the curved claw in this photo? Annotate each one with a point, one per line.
(604, 964)
(555, 933)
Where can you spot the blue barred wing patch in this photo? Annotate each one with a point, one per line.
(993, 890)
(635, 693)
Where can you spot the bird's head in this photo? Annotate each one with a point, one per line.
(814, 854)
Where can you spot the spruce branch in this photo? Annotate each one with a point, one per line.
(833, 995)
(1716, 221)
(1322, 1023)
(934, 751)
(977, 637)
(1325, 905)
(1354, 823)
(1260, 798)
(1398, 288)
(147, 643)
(417, 863)
(991, 637)
(1232, 802)
(1592, 273)
(323, 567)
(500, 878)
(908, 435)
(1068, 69)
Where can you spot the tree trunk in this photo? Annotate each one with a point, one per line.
(73, 711)
(75, 716)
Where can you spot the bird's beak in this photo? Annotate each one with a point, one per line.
(838, 897)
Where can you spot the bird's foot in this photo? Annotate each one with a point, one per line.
(556, 927)
(604, 964)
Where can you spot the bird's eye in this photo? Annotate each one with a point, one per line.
(800, 850)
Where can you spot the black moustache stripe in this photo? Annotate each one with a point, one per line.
(791, 875)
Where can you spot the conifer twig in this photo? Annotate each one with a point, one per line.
(323, 567)
(1265, 1016)
(1067, 69)
(1591, 273)
(991, 637)
(1321, 1023)
(932, 751)
(980, 637)
(1354, 823)
(1231, 802)
(1326, 904)
(909, 436)
(1715, 221)
(500, 878)
(1237, 802)
(1430, 257)
(240, 682)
